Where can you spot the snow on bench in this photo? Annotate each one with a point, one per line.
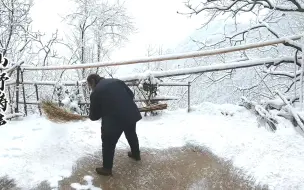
(13, 115)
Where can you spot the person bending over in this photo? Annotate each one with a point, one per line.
(113, 102)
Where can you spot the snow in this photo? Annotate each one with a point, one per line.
(275, 103)
(66, 101)
(35, 149)
(9, 116)
(89, 185)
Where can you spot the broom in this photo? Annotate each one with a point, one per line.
(57, 114)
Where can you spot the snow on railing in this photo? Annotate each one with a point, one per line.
(158, 98)
(167, 57)
(209, 68)
(83, 82)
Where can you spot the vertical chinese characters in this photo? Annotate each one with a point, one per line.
(3, 100)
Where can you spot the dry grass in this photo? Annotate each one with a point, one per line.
(58, 114)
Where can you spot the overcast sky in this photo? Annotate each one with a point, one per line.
(156, 20)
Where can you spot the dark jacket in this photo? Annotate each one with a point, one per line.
(113, 99)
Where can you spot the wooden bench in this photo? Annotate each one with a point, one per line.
(154, 107)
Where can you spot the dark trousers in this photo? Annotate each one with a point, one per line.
(110, 134)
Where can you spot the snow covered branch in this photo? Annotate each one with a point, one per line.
(238, 6)
(283, 73)
(292, 111)
(262, 113)
(234, 40)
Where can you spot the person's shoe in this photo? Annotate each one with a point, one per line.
(104, 171)
(135, 157)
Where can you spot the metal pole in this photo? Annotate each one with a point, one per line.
(36, 88)
(301, 80)
(189, 84)
(17, 90)
(10, 98)
(24, 101)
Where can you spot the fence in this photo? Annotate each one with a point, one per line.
(134, 79)
(22, 83)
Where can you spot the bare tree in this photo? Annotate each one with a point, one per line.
(19, 43)
(266, 19)
(14, 27)
(111, 30)
(251, 21)
(98, 27)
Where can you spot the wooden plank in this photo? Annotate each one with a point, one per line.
(153, 107)
(24, 98)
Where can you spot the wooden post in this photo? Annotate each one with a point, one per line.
(189, 84)
(23, 90)
(17, 90)
(295, 74)
(77, 87)
(10, 98)
(37, 96)
(301, 81)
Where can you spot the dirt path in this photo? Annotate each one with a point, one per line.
(176, 168)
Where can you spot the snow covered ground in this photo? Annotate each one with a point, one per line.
(35, 149)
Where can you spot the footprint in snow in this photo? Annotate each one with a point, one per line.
(14, 148)
(11, 155)
(36, 129)
(4, 155)
(17, 137)
(227, 113)
(12, 152)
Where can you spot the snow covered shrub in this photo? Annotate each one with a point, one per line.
(69, 99)
(149, 85)
(44, 185)
(72, 100)
(59, 92)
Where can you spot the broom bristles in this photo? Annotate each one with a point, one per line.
(58, 114)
